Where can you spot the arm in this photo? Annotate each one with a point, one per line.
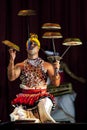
(53, 73)
(13, 71)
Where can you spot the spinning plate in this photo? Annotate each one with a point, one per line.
(54, 58)
(51, 35)
(26, 12)
(72, 42)
(11, 45)
(51, 26)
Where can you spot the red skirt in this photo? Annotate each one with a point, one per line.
(30, 98)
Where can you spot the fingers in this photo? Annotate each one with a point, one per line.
(12, 53)
(56, 65)
(56, 62)
(11, 50)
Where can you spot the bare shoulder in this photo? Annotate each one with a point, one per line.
(48, 65)
(19, 65)
(50, 70)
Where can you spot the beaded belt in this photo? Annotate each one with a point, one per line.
(33, 91)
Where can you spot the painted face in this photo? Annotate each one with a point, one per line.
(31, 45)
(32, 42)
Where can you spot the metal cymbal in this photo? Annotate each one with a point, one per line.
(72, 42)
(51, 26)
(51, 35)
(11, 45)
(26, 12)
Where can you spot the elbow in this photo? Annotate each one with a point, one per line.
(57, 81)
(10, 78)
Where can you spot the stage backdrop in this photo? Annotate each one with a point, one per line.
(72, 17)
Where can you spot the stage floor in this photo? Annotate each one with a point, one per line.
(28, 125)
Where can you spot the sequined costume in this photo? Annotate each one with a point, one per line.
(33, 75)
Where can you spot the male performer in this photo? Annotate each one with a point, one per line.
(33, 72)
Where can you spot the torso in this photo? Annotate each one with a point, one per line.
(34, 75)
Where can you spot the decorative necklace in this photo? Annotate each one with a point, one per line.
(35, 62)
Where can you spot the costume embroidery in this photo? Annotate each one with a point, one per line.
(33, 73)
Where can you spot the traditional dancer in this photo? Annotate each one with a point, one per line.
(34, 102)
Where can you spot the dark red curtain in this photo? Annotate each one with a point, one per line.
(71, 15)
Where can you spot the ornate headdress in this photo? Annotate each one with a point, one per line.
(33, 38)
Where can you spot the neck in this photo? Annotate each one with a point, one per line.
(32, 56)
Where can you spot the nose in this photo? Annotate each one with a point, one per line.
(32, 43)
